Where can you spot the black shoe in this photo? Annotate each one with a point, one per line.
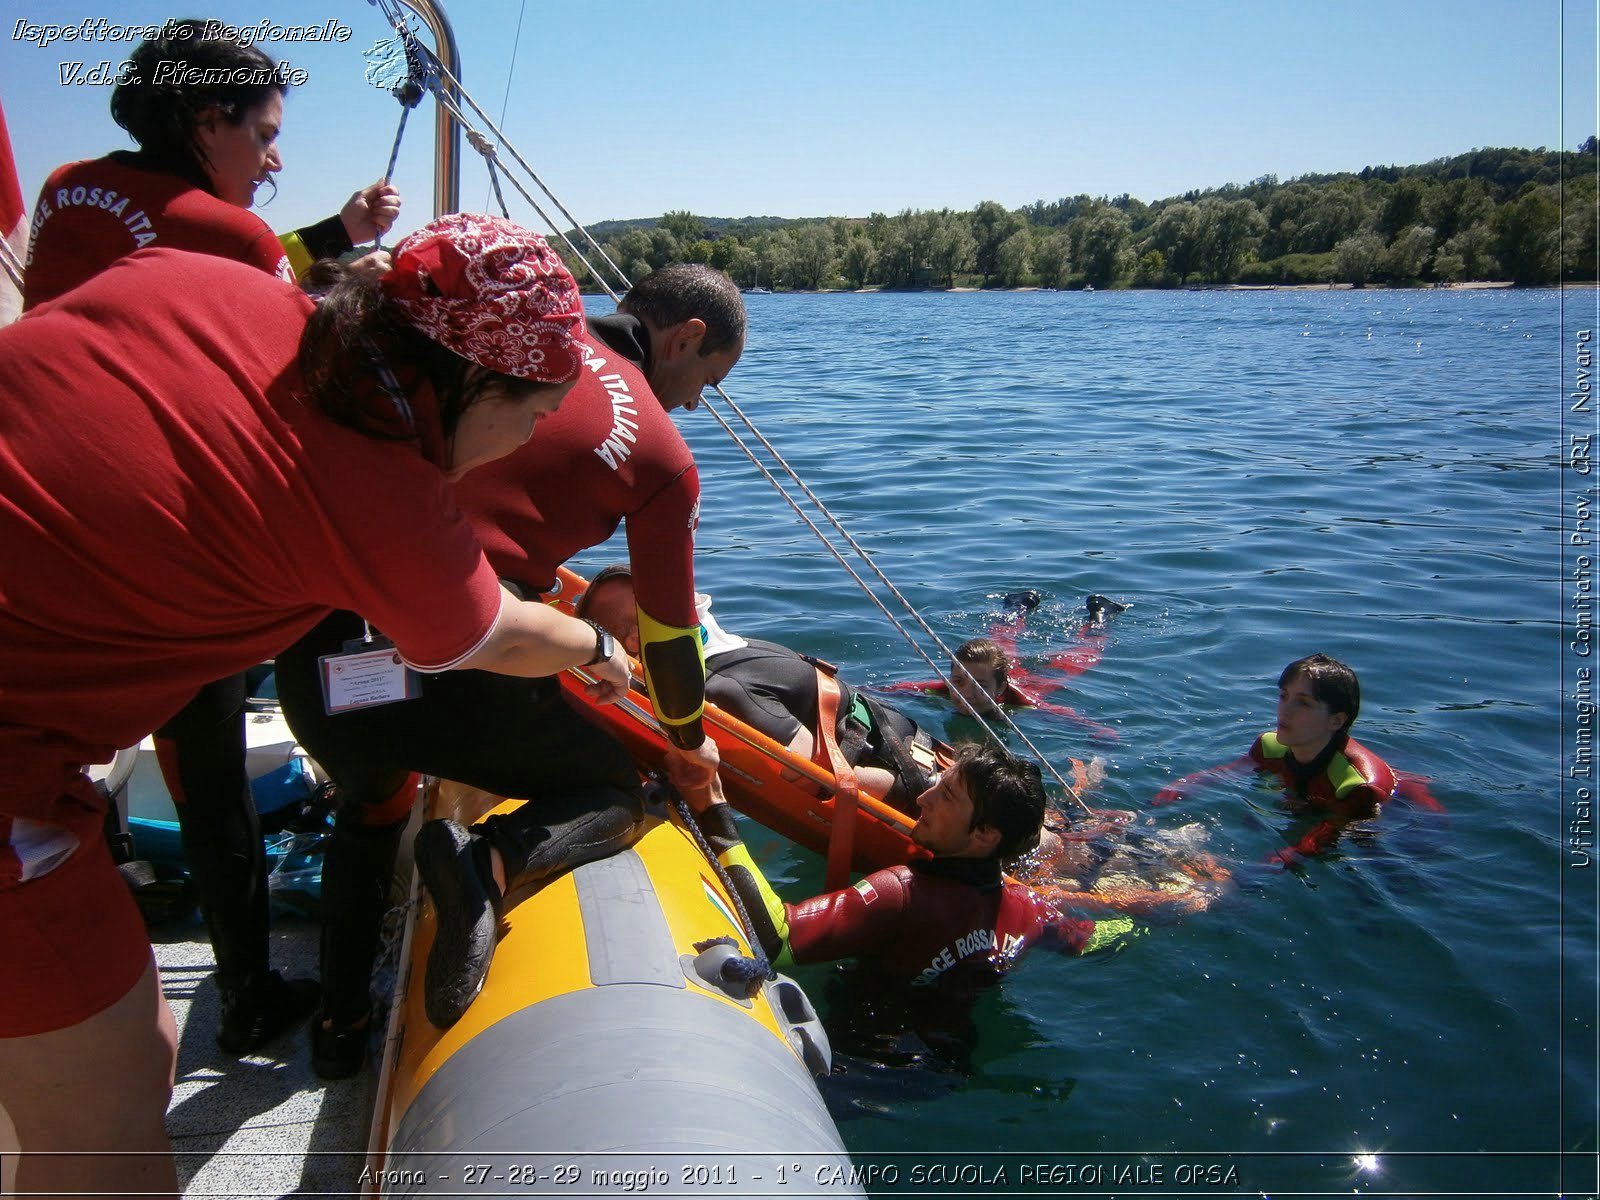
(254, 1014)
(464, 905)
(1024, 601)
(1100, 607)
(338, 1053)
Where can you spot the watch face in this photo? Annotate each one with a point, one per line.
(604, 645)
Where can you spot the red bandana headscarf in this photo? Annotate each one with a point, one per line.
(493, 292)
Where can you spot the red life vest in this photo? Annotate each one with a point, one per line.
(1354, 778)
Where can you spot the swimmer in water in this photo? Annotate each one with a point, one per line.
(987, 674)
(1110, 859)
(1322, 768)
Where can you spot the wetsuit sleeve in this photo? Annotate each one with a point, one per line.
(1180, 788)
(1076, 935)
(1099, 732)
(1361, 782)
(1352, 802)
(1077, 659)
(1414, 788)
(661, 552)
(1318, 840)
(326, 239)
(914, 685)
(856, 922)
(1359, 803)
(675, 674)
(1004, 634)
(766, 911)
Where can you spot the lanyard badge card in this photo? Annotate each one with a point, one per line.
(366, 673)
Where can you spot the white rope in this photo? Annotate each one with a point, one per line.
(11, 263)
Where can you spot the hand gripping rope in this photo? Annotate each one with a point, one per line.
(749, 973)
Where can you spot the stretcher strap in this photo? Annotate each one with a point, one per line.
(842, 836)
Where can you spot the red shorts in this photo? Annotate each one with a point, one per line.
(72, 943)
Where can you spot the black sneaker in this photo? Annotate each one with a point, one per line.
(464, 905)
(266, 1006)
(338, 1053)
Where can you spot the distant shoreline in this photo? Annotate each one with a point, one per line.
(1476, 285)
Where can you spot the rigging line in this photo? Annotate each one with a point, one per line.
(12, 264)
(511, 71)
(482, 144)
(437, 76)
(834, 550)
(446, 77)
(485, 147)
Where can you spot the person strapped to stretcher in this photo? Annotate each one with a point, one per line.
(783, 694)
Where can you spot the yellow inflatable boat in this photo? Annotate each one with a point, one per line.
(604, 1056)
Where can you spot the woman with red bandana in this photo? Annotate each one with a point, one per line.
(183, 493)
(204, 148)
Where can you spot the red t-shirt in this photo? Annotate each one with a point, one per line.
(610, 453)
(171, 512)
(91, 213)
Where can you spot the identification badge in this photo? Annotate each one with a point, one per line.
(365, 675)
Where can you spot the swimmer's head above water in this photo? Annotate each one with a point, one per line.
(1319, 699)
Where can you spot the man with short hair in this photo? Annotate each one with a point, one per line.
(612, 454)
(952, 921)
(609, 454)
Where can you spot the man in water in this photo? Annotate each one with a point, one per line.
(952, 922)
(1102, 859)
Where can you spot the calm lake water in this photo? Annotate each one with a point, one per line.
(1376, 475)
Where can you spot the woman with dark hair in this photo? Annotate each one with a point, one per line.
(1324, 771)
(179, 499)
(205, 147)
(205, 110)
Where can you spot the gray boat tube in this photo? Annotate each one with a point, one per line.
(647, 1082)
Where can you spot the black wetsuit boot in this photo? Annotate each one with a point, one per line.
(357, 870)
(541, 838)
(223, 850)
(557, 833)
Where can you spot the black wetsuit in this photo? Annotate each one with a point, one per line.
(773, 689)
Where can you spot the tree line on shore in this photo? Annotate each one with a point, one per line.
(1528, 216)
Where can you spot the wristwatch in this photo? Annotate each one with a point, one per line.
(604, 644)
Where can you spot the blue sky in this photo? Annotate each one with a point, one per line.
(847, 107)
